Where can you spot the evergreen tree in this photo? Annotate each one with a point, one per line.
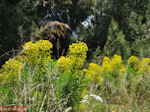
(116, 43)
(132, 18)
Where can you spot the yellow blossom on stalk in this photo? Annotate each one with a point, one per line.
(116, 62)
(94, 72)
(134, 62)
(30, 49)
(144, 66)
(31, 52)
(75, 58)
(64, 64)
(113, 67)
(11, 69)
(44, 45)
(122, 70)
(106, 65)
(37, 52)
(146, 61)
(106, 59)
(78, 49)
(77, 62)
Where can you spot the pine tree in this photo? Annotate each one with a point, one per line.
(116, 43)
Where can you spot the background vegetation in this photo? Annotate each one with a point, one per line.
(91, 21)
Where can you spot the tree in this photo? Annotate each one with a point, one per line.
(132, 18)
(116, 43)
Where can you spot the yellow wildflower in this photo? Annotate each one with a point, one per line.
(64, 64)
(106, 59)
(122, 70)
(116, 62)
(36, 53)
(75, 59)
(78, 49)
(29, 47)
(133, 59)
(144, 66)
(11, 69)
(146, 61)
(44, 45)
(94, 72)
(113, 66)
(77, 62)
(106, 65)
(134, 62)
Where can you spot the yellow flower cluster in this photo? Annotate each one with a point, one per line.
(139, 67)
(116, 61)
(10, 70)
(44, 45)
(75, 58)
(33, 53)
(38, 52)
(64, 64)
(114, 68)
(144, 67)
(78, 49)
(113, 65)
(134, 62)
(106, 66)
(94, 72)
(77, 53)
(30, 49)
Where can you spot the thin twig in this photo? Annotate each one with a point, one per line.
(8, 52)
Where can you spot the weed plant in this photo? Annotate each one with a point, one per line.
(41, 83)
